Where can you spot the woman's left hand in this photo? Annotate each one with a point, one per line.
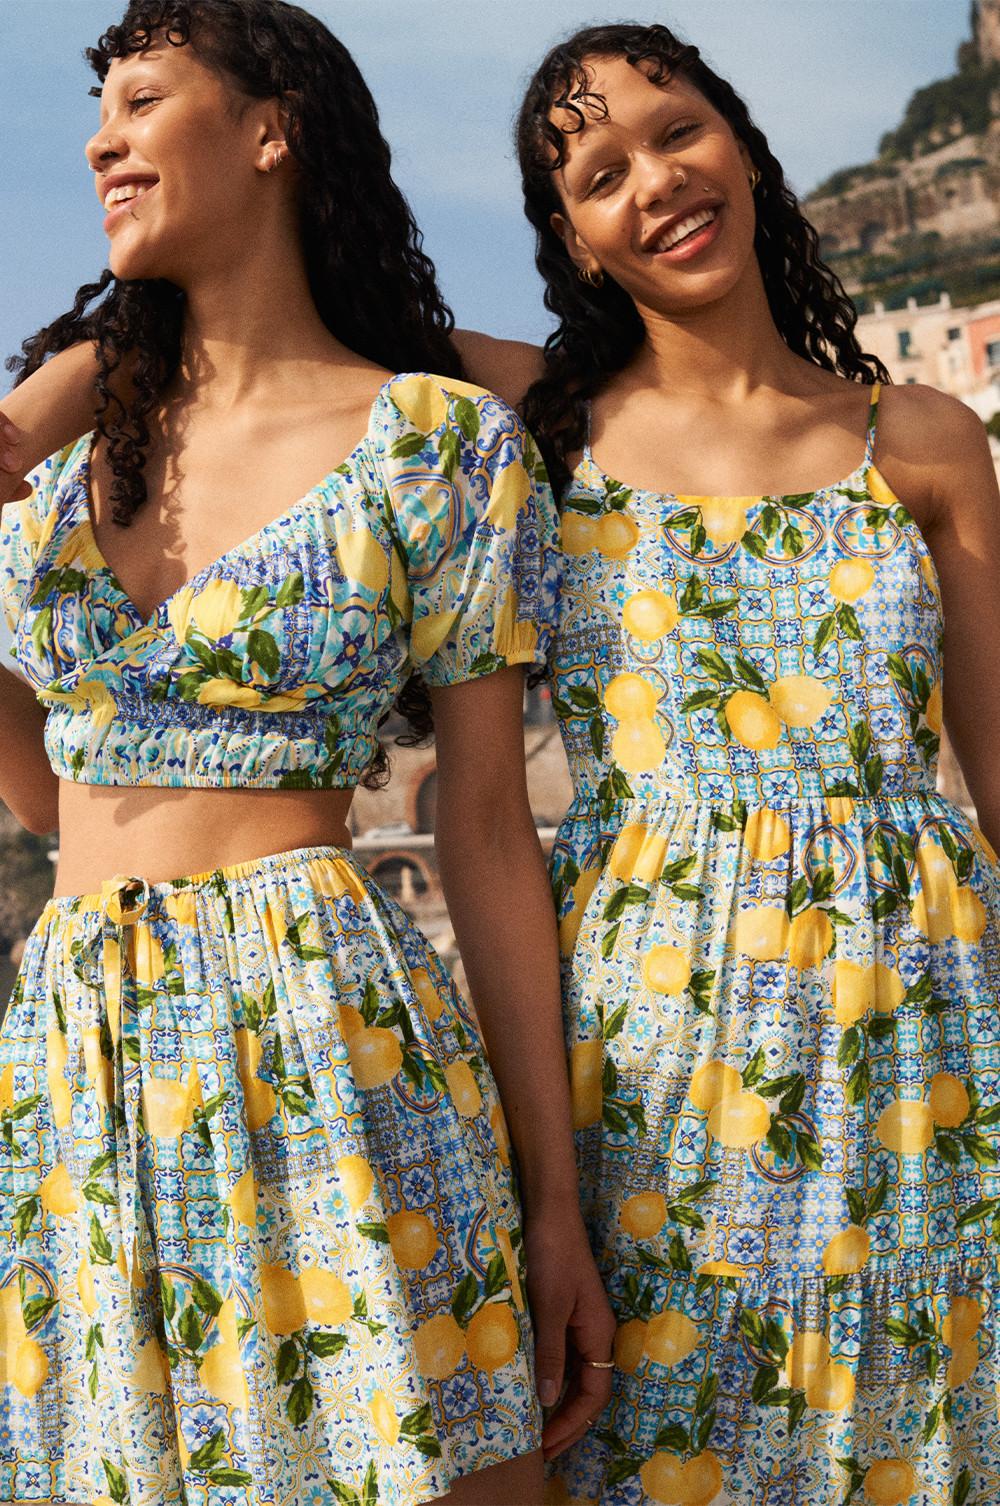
(574, 1324)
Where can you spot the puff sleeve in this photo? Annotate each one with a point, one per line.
(475, 523)
(24, 530)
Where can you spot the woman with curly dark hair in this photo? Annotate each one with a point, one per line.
(781, 946)
(258, 1234)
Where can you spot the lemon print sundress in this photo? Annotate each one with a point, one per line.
(259, 1242)
(781, 960)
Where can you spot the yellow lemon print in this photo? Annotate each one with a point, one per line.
(847, 1252)
(830, 1388)
(766, 835)
(761, 933)
(362, 558)
(724, 519)
(221, 1371)
(670, 1337)
(949, 1100)
(426, 992)
(666, 969)
(428, 633)
(850, 579)
(569, 924)
(753, 723)
(810, 937)
(808, 1352)
(12, 1330)
(638, 854)
(644, 1214)
(879, 489)
(964, 1359)
(586, 1068)
(720, 1268)
(182, 907)
(169, 1104)
(840, 809)
(59, 1196)
(492, 1337)
(498, 1125)
(148, 960)
(739, 1120)
(660, 1478)
(616, 535)
(284, 1303)
(376, 1056)
(700, 1480)
(630, 1344)
(421, 401)
(61, 1099)
(412, 1238)
(7, 1087)
(962, 1321)
(711, 1082)
(852, 991)
(906, 1126)
(326, 1298)
(357, 1180)
(31, 1368)
(464, 1089)
(350, 1020)
(649, 615)
(243, 1200)
(630, 697)
(579, 533)
(890, 989)
(439, 1346)
(509, 496)
(384, 1419)
(800, 700)
(638, 746)
(216, 608)
(968, 915)
(889, 1482)
(85, 1287)
(150, 1369)
(934, 710)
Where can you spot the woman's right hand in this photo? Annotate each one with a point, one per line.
(13, 487)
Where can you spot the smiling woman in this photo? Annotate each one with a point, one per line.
(259, 1238)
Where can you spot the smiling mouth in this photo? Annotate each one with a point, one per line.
(125, 193)
(683, 231)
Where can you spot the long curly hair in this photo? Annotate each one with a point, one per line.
(374, 288)
(599, 328)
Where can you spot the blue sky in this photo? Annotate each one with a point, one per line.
(824, 78)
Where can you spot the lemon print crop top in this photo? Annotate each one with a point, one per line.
(433, 545)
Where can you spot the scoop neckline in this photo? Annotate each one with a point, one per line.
(787, 499)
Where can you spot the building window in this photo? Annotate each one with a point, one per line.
(993, 352)
(954, 334)
(905, 340)
(911, 381)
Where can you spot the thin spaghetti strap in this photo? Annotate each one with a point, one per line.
(872, 424)
(586, 430)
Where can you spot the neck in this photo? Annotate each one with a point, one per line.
(250, 329)
(721, 352)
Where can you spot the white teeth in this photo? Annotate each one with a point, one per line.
(683, 228)
(124, 192)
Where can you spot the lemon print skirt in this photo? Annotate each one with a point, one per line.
(781, 954)
(259, 1242)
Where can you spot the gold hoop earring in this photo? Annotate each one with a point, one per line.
(753, 178)
(593, 279)
(277, 158)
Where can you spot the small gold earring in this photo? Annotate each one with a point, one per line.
(753, 178)
(592, 278)
(277, 158)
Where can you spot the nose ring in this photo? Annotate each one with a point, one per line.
(681, 177)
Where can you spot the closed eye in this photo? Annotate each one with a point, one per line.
(139, 100)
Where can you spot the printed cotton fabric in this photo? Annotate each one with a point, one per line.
(432, 546)
(782, 976)
(258, 1239)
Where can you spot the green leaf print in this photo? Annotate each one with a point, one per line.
(962, 1487)
(263, 650)
(450, 449)
(117, 1486)
(325, 1346)
(100, 1245)
(344, 1494)
(291, 590)
(210, 1453)
(226, 1476)
(407, 446)
(301, 1400)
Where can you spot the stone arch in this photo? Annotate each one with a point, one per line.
(404, 875)
(423, 799)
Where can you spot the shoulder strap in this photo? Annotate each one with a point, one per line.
(872, 424)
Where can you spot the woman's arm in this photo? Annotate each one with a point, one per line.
(52, 408)
(494, 878)
(937, 450)
(28, 787)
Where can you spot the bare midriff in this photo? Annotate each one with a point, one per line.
(158, 834)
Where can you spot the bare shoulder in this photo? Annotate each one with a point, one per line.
(932, 449)
(506, 367)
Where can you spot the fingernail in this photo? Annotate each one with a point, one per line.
(547, 1392)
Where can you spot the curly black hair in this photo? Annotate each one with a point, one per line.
(599, 328)
(373, 285)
